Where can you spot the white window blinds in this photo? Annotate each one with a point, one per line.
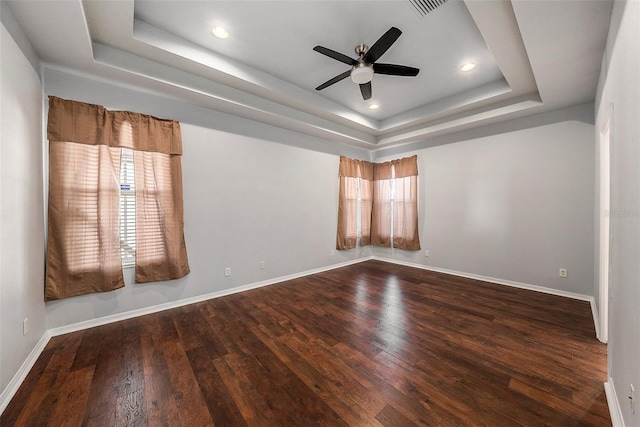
(127, 208)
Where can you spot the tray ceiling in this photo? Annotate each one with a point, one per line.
(525, 53)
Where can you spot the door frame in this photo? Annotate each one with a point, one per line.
(604, 146)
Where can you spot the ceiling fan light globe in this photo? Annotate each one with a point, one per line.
(362, 75)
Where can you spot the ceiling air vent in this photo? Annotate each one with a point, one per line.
(425, 6)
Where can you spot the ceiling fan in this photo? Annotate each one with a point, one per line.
(363, 68)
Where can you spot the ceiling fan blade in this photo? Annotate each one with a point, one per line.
(381, 46)
(365, 89)
(334, 80)
(335, 55)
(395, 70)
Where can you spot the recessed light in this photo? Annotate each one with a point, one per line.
(220, 32)
(468, 67)
(374, 106)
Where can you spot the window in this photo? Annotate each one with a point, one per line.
(378, 204)
(127, 208)
(101, 218)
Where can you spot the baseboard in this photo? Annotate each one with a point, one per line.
(13, 386)
(174, 304)
(511, 283)
(596, 318)
(617, 420)
(74, 327)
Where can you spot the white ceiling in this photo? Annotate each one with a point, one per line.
(531, 55)
(280, 37)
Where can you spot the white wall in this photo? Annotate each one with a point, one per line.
(21, 209)
(247, 200)
(514, 205)
(620, 84)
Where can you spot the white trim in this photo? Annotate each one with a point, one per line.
(173, 304)
(18, 378)
(596, 317)
(604, 203)
(513, 284)
(536, 288)
(617, 420)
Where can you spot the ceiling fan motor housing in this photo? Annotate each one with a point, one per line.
(361, 49)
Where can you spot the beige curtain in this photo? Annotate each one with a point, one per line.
(405, 204)
(161, 253)
(381, 215)
(353, 173)
(402, 175)
(83, 251)
(366, 206)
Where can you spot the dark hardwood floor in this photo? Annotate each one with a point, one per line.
(365, 345)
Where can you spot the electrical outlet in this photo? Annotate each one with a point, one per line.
(25, 326)
(263, 264)
(426, 253)
(333, 252)
(563, 273)
(632, 396)
(227, 272)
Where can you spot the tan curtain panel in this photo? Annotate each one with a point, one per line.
(405, 204)
(353, 173)
(381, 214)
(161, 253)
(402, 175)
(347, 213)
(83, 242)
(366, 207)
(83, 252)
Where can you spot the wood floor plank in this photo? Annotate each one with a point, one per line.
(391, 417)
(131, 409)
(266, 373)
(26, 389)
(74, 394)
(253, 408)
(307, 385)
(427, 399)
(159, 402)
(105, 357)
(370, 344)
(354, 385)
(217, 397)
(190, 403)
(42, 402)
